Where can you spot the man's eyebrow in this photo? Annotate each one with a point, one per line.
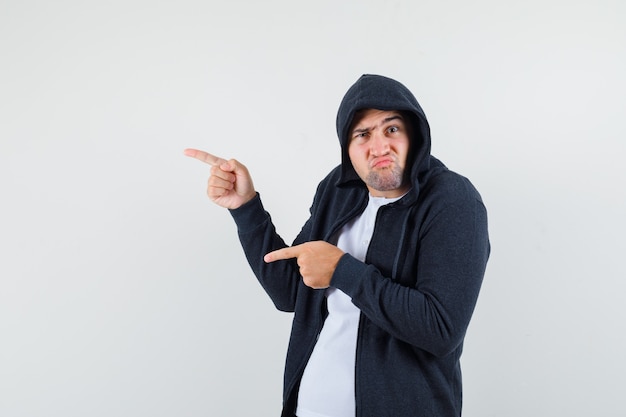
(360, 130)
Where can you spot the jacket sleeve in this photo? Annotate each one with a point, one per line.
(451, 260)
(258, 236)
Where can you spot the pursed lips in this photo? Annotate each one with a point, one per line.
(381, 162)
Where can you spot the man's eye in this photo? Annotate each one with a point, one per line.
(393, 129)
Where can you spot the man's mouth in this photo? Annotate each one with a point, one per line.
(381, 162)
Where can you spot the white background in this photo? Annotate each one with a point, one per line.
(123, 289)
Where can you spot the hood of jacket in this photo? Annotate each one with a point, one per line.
(382, 93)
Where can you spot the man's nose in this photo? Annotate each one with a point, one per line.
(379, 144)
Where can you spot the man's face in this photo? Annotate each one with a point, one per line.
(378, 149)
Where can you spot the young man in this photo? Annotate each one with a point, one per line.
(385, 274)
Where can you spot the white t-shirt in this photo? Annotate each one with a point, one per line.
(327, 386)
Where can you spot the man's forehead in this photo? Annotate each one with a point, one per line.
(374, 114)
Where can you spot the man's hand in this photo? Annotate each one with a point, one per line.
(230, 184)
(317, 261)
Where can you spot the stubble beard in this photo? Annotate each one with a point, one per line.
(386, 179)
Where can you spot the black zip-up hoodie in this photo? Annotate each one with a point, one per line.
(417, 287)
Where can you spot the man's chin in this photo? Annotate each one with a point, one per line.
(384, 182)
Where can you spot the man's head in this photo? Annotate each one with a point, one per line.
(395, 104)
(378, 148)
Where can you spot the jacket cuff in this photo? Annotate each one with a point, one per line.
(348, 275)
(249, 215)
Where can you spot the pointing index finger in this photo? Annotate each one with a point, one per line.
(282, 254)
(205, 157)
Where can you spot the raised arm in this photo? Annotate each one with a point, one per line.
(230, 186)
